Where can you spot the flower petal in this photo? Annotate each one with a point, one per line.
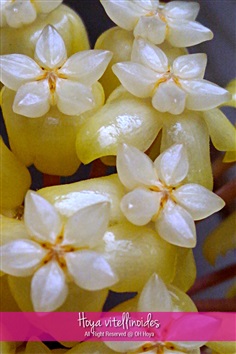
(149, 5)
(175, 225)
(140, 205)
(41, 218)
(184, 33)
(47, 6)
(181, 10)
(134, 167)
(151, 28)
(203, 94)
(136, 78)
(17, 69)
(90, 270)
(191, 66)
(48, 288)
(87, 226)
(74, 98)
(172, 165)
(19, 13)
(169, 97)
(50, 50)
(155, 296)
(149, 55)
(86, 66)
(197, 200)
(124, 347)
(32, 99)
(21, 257)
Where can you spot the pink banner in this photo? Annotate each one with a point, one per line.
(114, 326)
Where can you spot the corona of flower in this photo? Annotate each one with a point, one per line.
(52, 79)
(174, 21)
(16, 13)
(157, 193)
(171, 88)
(55, 252)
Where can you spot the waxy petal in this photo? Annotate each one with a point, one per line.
(50, 50)
(147, 54)
(168, 97)
(184, 33)
(47, 6)
(155, 296)
(190, 66)
(32, 99)
(86, 66)
(74, 98)
(151, 28)
(87, 226)
(90, 270)
(175, 225)
(149, 5)
(136, 78)
(203, 94)
(140, 205)
(134, 167)
(48, 288)
(41, 218)
(21, 257)
(17, 69)
(172, 165)
(124, 347)
(187, 10)
(19, 13)
(197, 200)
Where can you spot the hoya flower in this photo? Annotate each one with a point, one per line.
(156, 22)
(16, 13)
(157, 193)
(56, 251)
(172, 88)
(52, 79)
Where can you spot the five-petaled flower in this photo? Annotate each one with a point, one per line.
(157, 193)
(16, 13)
(171, 88)
(56, 251)
(156, 22)
(52, 79)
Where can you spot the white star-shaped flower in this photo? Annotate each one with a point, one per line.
(16, 13)
(172, 88)
(52, 79)
(157, 193)
(56, 251)
(156, 22)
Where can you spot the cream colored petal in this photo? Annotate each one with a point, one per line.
(50, 50)
(47, 6)
(124, 347)
(136, 78)
(124, 13)
(175, 225)
(187, 10)
(86, 66)
(203, 94)
(147, 54)
(184, 33)
(190, 66)
(151, 28)
(32, 99)
(48, 288)
(21, 257)
(134, 167)
(140, 205)
(36, 347)
(149, 5)
(91, 348)
(19, 13)
(87, 227)
(90, 270)
(197, 200)
(155, 296)
(172, 165)
(168, 97)
(41, 218)
(74, 98)
(17, 69)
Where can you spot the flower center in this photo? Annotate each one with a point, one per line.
(57, 251)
